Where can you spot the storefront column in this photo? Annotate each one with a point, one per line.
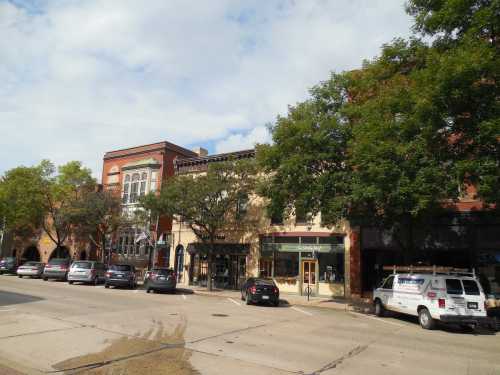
(355, 281)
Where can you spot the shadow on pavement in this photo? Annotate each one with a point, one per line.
(9, 298)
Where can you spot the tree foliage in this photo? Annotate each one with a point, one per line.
(96, 215)
(208, 203)
(34, 197)
(409, 131)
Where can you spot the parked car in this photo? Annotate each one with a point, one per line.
(57, 268)
(8, 265)
(121, 275)
(31, 269)
(87, 271)
(256, 290)
(445, 297)
(161, 280)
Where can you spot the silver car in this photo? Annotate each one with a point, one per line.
(31, 269)
(87, 271)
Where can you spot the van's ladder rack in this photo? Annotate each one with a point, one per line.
(430, 269)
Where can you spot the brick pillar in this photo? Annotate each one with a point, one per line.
(355, 262)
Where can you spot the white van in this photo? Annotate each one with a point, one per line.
(446, 296)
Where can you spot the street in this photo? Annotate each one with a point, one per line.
(52, 327)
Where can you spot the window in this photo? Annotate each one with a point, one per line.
(242, 207)
(134, 188)
(388, 283)
(126, 187)
(454, 286)
(154, 178)
(470, 287)
(287, 265)
(144, 179)
(331, 267)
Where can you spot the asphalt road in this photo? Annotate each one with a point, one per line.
(55, 328)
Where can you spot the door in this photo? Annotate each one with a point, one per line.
(387, 294)
(309, 276)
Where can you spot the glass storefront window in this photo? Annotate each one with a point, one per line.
(331, 267)
(287, 265)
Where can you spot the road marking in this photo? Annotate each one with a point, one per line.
(7, 310)
(301, 311)
(381, 320)
(233, 301)
(183, 296)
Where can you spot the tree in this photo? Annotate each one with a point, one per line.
(392, 143)
(36, 197)
(60, 192)
(207, 203)
(97, 215)
(21, 199)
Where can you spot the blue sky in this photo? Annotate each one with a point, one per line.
(80, 78)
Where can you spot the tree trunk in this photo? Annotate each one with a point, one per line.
(103, 249)
(209, 264)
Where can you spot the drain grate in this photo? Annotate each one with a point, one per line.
(220, 315)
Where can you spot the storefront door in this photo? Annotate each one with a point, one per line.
(309, 276)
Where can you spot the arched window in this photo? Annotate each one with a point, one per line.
(144, 179)
(126, 188)
(134, 187)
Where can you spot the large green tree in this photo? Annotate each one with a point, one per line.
(395, 141)
(208, 203)
(38, 197)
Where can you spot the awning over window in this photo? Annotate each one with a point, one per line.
(220, 248)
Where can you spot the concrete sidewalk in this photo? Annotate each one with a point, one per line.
(290, 299)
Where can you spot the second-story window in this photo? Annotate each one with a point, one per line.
(126, 187)
(134, 187)
(144, 178)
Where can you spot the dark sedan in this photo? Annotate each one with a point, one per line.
(160, 280)
(8, 265)
(260, 290)
(120, 275)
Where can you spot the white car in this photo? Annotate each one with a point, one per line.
(31, 269)
(447, 297)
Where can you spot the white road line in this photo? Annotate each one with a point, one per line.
(183, 296)
(233, 301)
(7, 310)
(301, 311)
(381, 320)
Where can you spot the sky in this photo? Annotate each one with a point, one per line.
(79, 78)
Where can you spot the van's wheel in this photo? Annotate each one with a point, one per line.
(425, 319)
(45, 279)
(379, 308)
(19, 276)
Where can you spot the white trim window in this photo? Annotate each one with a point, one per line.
(135, 184)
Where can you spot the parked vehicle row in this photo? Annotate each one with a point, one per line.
(254, 290)
(92, 272)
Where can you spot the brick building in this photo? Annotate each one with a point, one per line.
(134, 172)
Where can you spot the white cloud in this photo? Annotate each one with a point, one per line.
(83, 77)
(244, 141)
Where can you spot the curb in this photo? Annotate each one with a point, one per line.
(364, 309)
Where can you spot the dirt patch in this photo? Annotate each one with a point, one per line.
(150, 353)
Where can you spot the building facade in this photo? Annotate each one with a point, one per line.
(300, 255)
(132, 173)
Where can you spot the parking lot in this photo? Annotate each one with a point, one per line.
(54, 327)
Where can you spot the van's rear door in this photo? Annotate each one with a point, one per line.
(474, 298)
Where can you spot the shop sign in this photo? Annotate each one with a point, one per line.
(295, 248)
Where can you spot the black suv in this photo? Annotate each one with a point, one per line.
(120, 275)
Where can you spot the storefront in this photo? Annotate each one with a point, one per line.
(228, 267)
(313, 263)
